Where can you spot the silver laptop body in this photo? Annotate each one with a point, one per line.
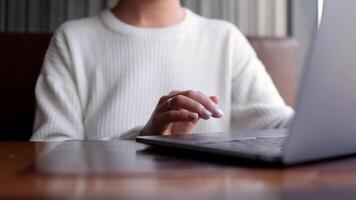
(325, 121)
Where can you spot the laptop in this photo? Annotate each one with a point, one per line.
(325, 122)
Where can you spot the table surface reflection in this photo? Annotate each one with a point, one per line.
(128, 170)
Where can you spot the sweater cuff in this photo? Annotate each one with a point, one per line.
(131, 134)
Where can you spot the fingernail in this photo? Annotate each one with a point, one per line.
(219, 112)
(193, 116)
(206, 114)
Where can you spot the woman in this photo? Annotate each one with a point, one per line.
(103, 76)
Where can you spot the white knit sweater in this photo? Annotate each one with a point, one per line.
(102, 78)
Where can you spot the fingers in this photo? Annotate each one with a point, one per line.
(205, 101)
(177, 116)
(209, 104)
(167, 97)
(182, 102)
(179, 107)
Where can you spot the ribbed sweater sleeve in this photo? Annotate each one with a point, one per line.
(59, 110)
(254, 95)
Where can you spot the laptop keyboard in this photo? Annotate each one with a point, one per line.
(259, 146)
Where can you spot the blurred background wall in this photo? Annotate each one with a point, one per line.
(274, 18)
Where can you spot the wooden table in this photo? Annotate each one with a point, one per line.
(127, 170)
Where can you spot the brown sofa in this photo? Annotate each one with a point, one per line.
(22, 55)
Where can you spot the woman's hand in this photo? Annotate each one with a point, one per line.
(179, 112)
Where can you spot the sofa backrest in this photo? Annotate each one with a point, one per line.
(22, 56)
(21, 61)
(281, 58)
